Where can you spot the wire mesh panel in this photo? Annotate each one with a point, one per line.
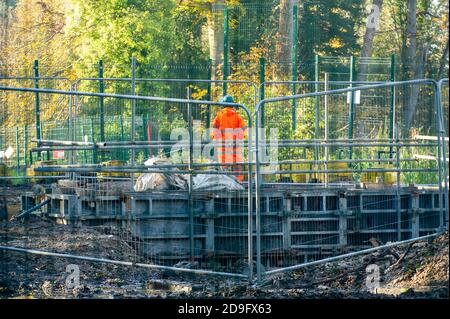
(251, 29)
(444, 104)
(364, 69)
(372, 117)
(350, 174)
(174, 202)
(444, 90)
(375, 69)
(350, 169)
(283, 88)
(19, 111)
(151, 126)
(339, 68)
(15, 147)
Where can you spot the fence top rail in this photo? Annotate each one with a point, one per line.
(352, 254)
(129, 97)
(413, 141)
(443, 81)
(166, 80)
(344, 90)
(33, 78)
(118, 262)
(323, 82)
(375, 59)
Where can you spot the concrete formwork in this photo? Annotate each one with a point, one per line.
(305, 221)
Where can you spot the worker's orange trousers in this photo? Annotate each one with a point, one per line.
(231, 155)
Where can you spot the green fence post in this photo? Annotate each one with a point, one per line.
(94, 152)
(17, 151)
(316, 69)
(208, 94)
(25, 142)
(351, 116)
(83, 133)
(133, 113)
(317, 103)
(392, 103)
(262, 79)
(101, 105)
(225, 49)
(145, 135)
(294, 65)
(37, 106)
(122, 134)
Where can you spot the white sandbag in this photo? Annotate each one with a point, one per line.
(151, 181)
(215, 182)
(156, 161)
(177, 181)
(167, 181)
(159, 181)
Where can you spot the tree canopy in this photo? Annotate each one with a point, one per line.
(70, 37)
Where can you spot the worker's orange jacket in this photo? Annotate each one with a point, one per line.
(230, 127)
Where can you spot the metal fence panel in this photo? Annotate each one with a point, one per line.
(149, 126)
(344, 173)
(181, 225)
(361, 167)
(444, 102)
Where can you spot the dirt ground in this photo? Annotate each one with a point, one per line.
(417, 270)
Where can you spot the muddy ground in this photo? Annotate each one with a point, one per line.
(417, 270)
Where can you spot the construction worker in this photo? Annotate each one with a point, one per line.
(230, 130)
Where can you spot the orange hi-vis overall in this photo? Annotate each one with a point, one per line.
(230, 130)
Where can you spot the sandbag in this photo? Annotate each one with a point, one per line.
(160, 181)
(151, 181)
(215, 182)
(167, 181)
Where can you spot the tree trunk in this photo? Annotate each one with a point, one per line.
(215, 38)
(371, 30)
(411, 39)
(284, 37)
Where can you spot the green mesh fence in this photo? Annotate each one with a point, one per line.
(273, 30)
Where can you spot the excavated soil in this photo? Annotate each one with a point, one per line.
(417, 270)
